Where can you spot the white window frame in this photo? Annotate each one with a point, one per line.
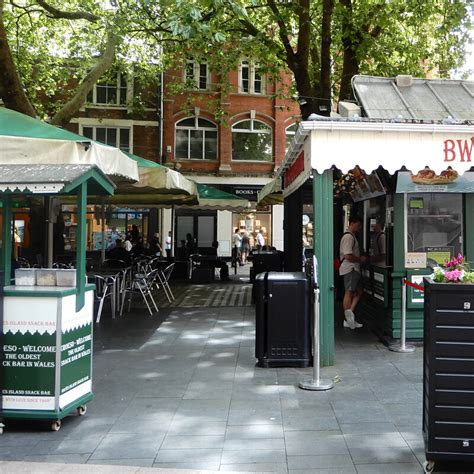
(109, 126)
(196, 75)
(121, 77)
(198, 128)
(252, 67)
(268, 131)
(290, 133)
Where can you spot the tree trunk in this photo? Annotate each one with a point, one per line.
(350, 41)
(70, 109)
(350, 68)
(11, 88)
(324, 101)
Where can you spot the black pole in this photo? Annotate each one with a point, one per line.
(293, 234)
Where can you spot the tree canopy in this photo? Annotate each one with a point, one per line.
(325, 43)
(53, 51)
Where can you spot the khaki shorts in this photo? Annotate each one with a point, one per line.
(352, 281)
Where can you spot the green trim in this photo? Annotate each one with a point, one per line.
(399, 235)
(94, 178)
(81, 245)
(6, 252)
(323, 249)
(28, 291)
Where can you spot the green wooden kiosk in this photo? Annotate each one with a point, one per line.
(46, 331)
(418, 215)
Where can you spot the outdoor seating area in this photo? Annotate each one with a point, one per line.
(118, 283)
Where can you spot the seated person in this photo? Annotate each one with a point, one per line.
(138, 248)
(118, 253)
(219, 263)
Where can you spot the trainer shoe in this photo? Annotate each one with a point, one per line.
(349, 318)
(356, 324)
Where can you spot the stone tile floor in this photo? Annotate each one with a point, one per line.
(180, 390)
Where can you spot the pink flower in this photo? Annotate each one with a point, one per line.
(453, 275)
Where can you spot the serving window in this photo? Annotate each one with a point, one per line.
(435, 225)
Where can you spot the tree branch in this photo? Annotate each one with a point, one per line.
(11, 88)
(56, 13)
(283, 33)
(64, 115)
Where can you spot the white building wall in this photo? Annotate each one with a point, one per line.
(277, 226)
(224, 233)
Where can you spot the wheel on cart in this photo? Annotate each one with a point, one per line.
(56, 425)
(428, 466)
(82, 410)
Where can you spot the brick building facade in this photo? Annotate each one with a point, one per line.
(238, 153)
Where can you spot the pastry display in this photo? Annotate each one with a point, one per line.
(428, 176)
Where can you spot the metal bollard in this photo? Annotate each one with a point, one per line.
(315, 383)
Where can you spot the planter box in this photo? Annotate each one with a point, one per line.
(25, 276)
(46, 277)
(66, 277)
(448, 372)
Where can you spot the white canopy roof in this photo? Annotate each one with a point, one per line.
(345, 144)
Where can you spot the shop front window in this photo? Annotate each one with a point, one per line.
(251, 224)
(118, 223)
(435, 225)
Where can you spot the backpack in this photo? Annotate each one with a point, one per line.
(337, 260)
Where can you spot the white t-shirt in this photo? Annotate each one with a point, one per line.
(127, 245)
(236, 240)
(260, 239)
(349, 245)
(168, 243)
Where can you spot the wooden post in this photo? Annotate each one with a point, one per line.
(323, 249)
(81, 245)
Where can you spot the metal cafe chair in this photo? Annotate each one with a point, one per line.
(23, 263)
(114, 264)
(104, 288)
(163, 278)
(141, 284)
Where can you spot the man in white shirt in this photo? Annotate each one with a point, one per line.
(127, 245)
(260, 239)
(168, 243)
(236, 243)
(350, 270)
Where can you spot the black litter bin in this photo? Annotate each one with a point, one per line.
(266, 261)
(283, 329)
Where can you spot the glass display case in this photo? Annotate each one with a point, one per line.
(435, 225)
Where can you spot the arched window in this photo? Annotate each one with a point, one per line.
(195, 139)
(290, 132)
(252, 141)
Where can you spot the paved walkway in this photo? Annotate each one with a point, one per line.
(181, 390)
